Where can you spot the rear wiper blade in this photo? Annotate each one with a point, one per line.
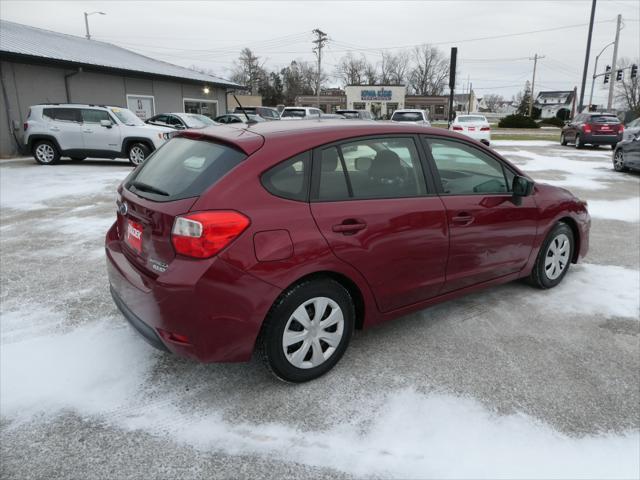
(148, 188)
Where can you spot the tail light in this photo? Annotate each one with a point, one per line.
(25, 125)
(620, 129)
(586, 128)
(457, 128)
(204, 234)
(485, 129)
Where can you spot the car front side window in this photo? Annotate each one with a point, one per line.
(465, 170)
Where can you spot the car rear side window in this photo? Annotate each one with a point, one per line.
(63, 114)
(289, 179)
(371, 168)
(183, 168)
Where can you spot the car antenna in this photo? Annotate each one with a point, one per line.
(249, 121)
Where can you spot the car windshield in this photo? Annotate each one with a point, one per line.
(126, 116)
(192, 121)
(471, 118)
(202, 118)
(407, 117)
(293, 113)
(348, 114)
(604, 119)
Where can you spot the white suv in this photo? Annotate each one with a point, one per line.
(81, 131)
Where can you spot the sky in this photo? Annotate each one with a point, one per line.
(210, 34)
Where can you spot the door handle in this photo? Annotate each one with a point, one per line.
(462, 219)
(349, 227)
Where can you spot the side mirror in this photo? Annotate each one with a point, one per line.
(106, 123)
(179, 127)
(522, 187)
(363, 164)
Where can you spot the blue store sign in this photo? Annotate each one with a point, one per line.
(375, 95)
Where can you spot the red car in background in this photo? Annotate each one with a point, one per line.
(283, 237)
(593, 129)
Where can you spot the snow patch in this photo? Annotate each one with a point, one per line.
(101, 371)
(32, 187)
(593, 289)
(626, 210)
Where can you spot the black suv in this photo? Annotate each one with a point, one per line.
(593, 129)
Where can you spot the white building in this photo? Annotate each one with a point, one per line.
(555, 104)
(380, 100)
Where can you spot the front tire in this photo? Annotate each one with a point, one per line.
(554, 257)
(138, 153)
(45, 153)
(618, 162)
(307, 330)
(563, 140)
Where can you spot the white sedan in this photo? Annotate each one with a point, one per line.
(474, 126)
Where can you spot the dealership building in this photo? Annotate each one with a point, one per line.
(380, 100)
(40, 66)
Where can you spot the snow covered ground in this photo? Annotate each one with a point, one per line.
(512, 382)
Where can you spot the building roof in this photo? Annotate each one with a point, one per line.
(23, 40)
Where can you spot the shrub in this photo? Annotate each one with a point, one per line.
(555, 121)
(517, 121)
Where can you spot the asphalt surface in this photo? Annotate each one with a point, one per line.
(577, 372)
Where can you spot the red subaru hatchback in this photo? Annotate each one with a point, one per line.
(282, 238)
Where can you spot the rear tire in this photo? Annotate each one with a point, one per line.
(45, 153)
(563, 140)
(138, 153)
(307, 330)
(554, 257)
(578, 142)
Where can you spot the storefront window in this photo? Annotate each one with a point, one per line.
(439, 109)
(201, 107)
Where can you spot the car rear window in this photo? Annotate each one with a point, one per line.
(294, 112)
(471, 119)
(604, 119)
(407, 117)
(183, 168)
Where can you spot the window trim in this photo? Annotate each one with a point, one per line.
(436, 174)
(314, 190)
(307, 167)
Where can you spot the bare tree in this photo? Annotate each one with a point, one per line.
(493, 101)
(628, 89)
(249, 71)
(393, 68)
(370, 73)
(298, 78)
(430, 71)
(351, 69)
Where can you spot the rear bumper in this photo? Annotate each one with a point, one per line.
(592, 139)
(216, 307)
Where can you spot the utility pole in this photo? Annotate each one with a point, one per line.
(535, 59)
(319, 41)
(613, 62)
(469, 98)
(586, 56)
(452, 82)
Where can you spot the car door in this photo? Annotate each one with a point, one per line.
(65, 124)
(631, 152)
(490, 236)
(372, 204)
(98, 137)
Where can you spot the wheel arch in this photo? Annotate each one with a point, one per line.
(127, 141)
(38, 137)
(573, 225)
(347, 283)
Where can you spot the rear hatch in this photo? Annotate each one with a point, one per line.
(165, 187)
(471, 124)
(605, 125)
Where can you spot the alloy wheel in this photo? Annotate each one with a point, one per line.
(313, 332)
(557, 256)
(45, 153)
(136, 155)
(618, 161)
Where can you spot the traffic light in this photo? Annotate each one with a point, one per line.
(634, 71)
(606, 75)
(619, 75)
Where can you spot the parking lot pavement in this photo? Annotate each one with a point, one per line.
(510, 382)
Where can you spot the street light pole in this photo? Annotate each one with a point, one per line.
(86, 22)
(613, 63)
(595, 69)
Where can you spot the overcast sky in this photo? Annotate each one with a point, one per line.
(211, 34)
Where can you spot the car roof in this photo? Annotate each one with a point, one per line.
(315, 132)
(408, 110)
(75, 105)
